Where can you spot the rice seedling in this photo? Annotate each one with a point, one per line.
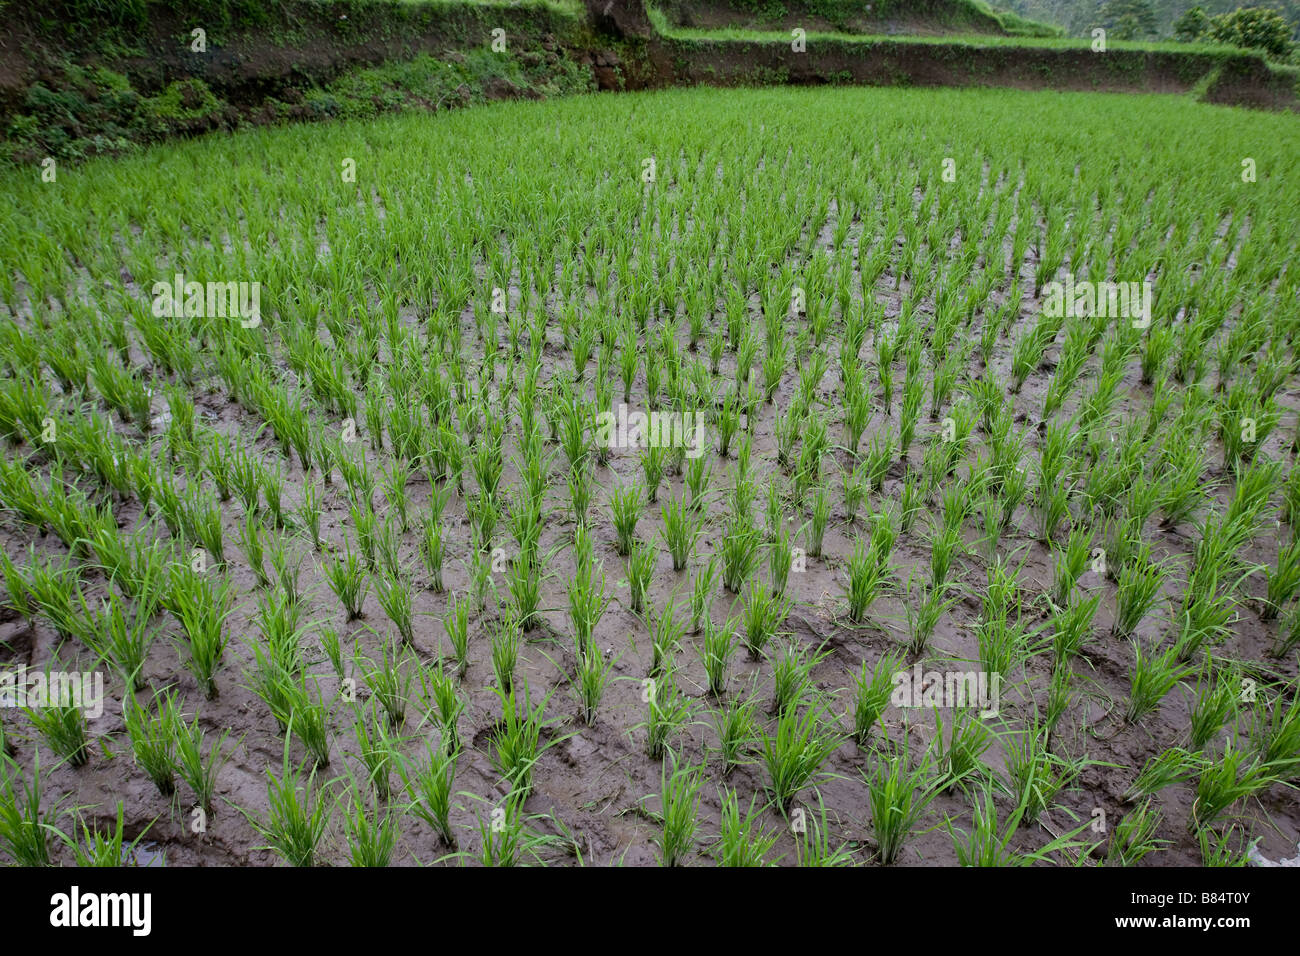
(153, 739)
(1069, 564)
(815, 532)
(925, 607)
(1071, 628)
(505, 654)
(762, 617)
(681, 529)
(1134, 836)
(104, 849)
(203, 610)
(297, 817)
(273, 492)
(348, 579)
(735, 725)
(898, 795)
(667, 712)
(872, 693)
(743, 840)
(1167, 768)
(1004, 647)
(1036, 774)
(429, 787)
(1060, 697)
(1153, 676)
(277, 621)
(1235, 776)
(580, 492)
(1276, 738)
(506, 839)
(204, 528)
(781, 558)
(987, 844)
(626, 505)
(371, 837)
(1283, 580)
(717, 646)
(653, 465)
(365, 523)
(253, 547)
(869, 570)
(61, 727)
(666, 634)
(524, 582)
(197, 770)
(743, 491)
(958, 749)
(456, 624)
(589, 681)
(1140, 581)
(813, 845)
(587, 602)
(25, 828)
(795, 755)
(389, 680)
(1288, 636)
(1216, 704)
(739, 553)
(308, 720)
(517, 740)
(944, 549)
(792, 675)
(1223, 849)
(910, 503)
(702, 586)
(699, 472)
(679, 800)
(309, 511)
(640, 569)
(433, 551)
(125, 644)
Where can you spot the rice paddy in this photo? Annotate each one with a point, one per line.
(760, 477)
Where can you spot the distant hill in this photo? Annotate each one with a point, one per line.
(1077, 17)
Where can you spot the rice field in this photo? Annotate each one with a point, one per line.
(759, 477)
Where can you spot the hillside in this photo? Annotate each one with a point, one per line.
(1077, 17)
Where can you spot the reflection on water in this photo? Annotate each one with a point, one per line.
(144, 854)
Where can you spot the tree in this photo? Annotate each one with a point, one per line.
(1253, 28)
(1192, 25)
(1128, 19)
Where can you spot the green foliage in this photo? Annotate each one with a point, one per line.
(1253, 28)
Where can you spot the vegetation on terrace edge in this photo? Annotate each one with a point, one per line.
(1257, 29)
(111, 90)
(852, 16)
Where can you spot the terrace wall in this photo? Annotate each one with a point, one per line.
(1232, 78)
